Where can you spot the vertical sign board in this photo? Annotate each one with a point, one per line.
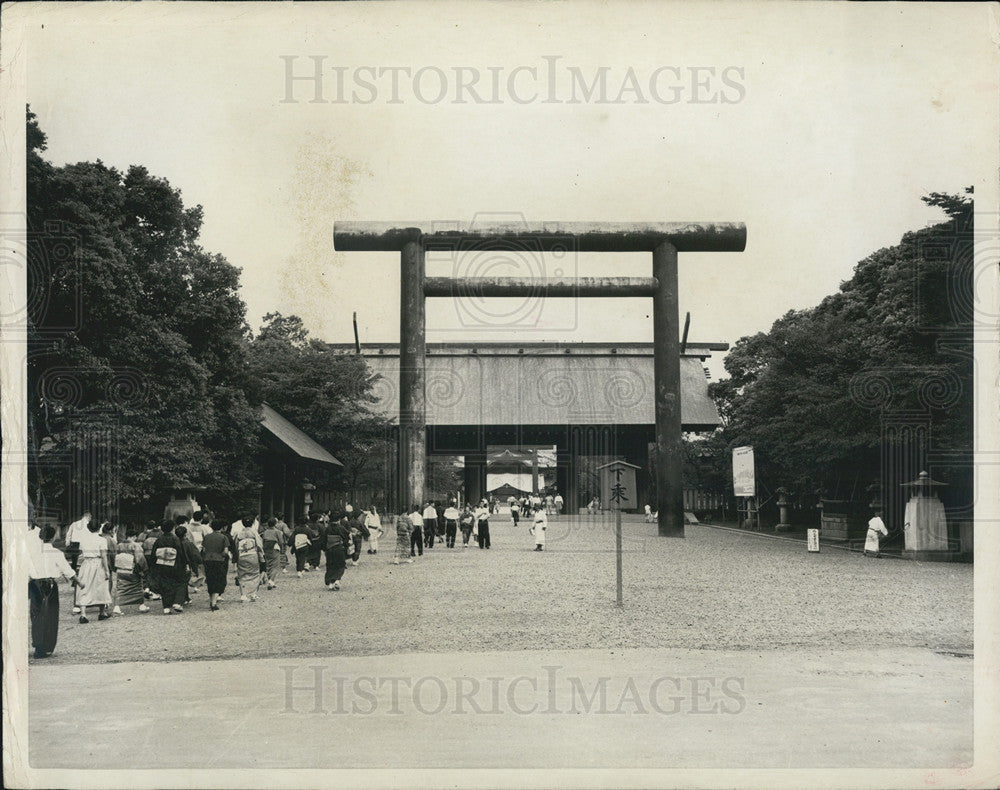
(812, 539)
(744, 483)
(622, 474)
(618, 490)
(743, 476)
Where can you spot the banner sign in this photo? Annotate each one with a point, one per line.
(743, 477)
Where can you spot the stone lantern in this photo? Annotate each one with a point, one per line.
(783, 504)
(182, 501)
(925, 527)
(307, 489)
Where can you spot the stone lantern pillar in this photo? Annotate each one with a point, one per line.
(182, 502)
(307, 489)
(783, 504)
(925, 527)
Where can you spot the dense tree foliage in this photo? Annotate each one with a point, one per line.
(135, 332)
(811, 395)
(326, 393)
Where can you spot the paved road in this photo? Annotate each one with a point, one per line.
(661, 708)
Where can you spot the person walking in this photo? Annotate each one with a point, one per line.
(430, 518)
(216, 550)
(404, 528)
(466, 521)
(876, 528)
(46, 565)
(301, 542)
(336, 539)
(355, 525)
(515, 511)
(147, 540)
(95, 574)
(108, 532)
(315, 539)
(169, 570)
(541, 521)
(249, 556)
(451, 517)
(374, 523)
(482, 515)
(274, 548)
(559, 502)
(193, 577)
(74, 532)
(286, 532)
(417, 535)
(197, 528)
(130, 567)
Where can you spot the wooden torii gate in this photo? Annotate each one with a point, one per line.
(663, 239)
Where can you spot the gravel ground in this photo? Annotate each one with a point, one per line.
(715, 589)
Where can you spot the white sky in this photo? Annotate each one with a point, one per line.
(850, 114)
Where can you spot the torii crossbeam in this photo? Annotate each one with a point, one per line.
(663, 239)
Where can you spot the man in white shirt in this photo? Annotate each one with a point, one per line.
(451, 516)
(430, 524)
(417, 536)
(482, 516)
(47, 564)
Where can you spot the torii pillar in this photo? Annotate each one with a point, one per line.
(664, 240)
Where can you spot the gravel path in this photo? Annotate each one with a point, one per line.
(715, 589)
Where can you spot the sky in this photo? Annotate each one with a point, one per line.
(818, 125)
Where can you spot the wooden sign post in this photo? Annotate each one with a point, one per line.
(617, 483)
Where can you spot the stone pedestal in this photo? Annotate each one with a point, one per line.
(925, 528)
(183, 503)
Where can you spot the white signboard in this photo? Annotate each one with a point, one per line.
(743, 478)
(812, 537)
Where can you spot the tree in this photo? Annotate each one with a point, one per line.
(140, 338)
(326, 393)
(443, 476)
(811, 394)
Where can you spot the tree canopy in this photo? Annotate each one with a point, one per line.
(811, 394)
(326, 393)
(134, 330)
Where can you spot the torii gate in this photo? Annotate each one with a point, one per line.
(663, 239)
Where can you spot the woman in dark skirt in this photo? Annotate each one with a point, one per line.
(335, 539)
(216, 550)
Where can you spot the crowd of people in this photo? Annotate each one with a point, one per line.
(166, 563)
